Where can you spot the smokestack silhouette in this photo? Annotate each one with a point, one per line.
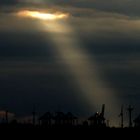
(102, 115)
(6, 116)
(34, 115)
(121, 115)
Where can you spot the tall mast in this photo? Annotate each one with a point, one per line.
(121, 115)
(130, 109)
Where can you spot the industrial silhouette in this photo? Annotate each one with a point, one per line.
(121, 115)
(130, 109)
(98, 120)
(69, 120)
(137, 122)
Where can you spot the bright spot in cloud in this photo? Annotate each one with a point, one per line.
(42, 15)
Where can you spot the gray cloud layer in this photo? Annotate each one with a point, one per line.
(128, 7)
(8, 2)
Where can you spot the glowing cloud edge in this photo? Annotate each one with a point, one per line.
(41, 15)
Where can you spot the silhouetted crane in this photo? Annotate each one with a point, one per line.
(102, 114)
(70, 119)
(46, 119)
(98, 119)
(130, 109)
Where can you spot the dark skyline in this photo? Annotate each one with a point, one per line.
(74, 64)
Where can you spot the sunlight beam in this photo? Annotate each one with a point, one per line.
(84, 70)
(78, 62)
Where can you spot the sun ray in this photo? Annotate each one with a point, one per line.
(75, 58)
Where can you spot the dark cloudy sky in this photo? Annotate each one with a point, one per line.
(31, 71)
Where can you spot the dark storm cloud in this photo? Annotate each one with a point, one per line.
(16, 46)
(81, 7)
(8, 2)
(31, 72)
(129, 7)
(34, 82)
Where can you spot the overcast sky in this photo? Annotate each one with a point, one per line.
(31, 72)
